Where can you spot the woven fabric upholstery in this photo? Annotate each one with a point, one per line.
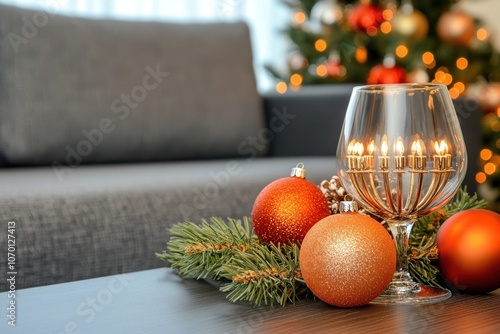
(105, 220)
(77, 90)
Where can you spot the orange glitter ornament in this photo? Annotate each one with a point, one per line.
(347, 259)
(287, 208)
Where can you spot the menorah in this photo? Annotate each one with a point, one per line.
(362, 173)
(401, 155)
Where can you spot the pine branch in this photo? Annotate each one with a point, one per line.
(421, 262)
(267, 275)
(199, 251)
(219, 250)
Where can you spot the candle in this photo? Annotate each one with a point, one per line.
(399, 158)
(368, 160)
(354, 161)
(417, 160)
(383, 160)
(442, 159)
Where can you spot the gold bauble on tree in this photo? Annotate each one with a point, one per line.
(456, 27)
(410, 23)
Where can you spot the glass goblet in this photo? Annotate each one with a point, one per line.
(402, 156)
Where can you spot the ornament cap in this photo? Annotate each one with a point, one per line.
(299, 171)
(348, 205)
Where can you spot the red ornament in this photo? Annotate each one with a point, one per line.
(287, 208)
(347, 259)
(366, 18)
(334, 68)
(469, 250)
(381, 74)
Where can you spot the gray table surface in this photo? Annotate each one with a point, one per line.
(158, 301)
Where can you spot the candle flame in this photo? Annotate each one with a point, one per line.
(399, 148)
(350, 147)
(359, 148)
(441, 148)
(384, 147)
(417, 147)
(371, 147)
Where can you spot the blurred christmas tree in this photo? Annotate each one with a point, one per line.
(395, 41)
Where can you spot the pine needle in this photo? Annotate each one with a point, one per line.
(268, 274)
(199, 251)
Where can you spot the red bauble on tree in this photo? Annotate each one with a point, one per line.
(287, 208)
(334, 68)
(365, 18)
(387, 73)
(347, 259)
(469, 250)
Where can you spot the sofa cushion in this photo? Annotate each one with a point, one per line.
(75, 90)
(109, 219)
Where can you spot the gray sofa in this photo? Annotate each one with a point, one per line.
(113, 131)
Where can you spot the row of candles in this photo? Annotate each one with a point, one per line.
(357, 160)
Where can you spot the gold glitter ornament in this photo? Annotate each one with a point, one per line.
(287, 208)
(347, 259)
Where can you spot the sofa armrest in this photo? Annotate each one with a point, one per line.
(314, 119)
(469, 115)
(311, 120)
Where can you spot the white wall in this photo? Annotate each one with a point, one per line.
(489, 12)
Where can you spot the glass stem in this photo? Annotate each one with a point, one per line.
(402, 281)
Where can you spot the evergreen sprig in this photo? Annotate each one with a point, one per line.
(267, 274)
(264, 273)
(199, 251)
(231, 252)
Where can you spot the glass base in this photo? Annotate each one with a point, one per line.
(417, 294)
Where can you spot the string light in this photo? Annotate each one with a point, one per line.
(299, 17)
(480, 177)
(361, 54)
(401, 51)
(490, 168)
(386, 27)
(439, 75)
(448, 79)
(462, 63)
(281, 87)
(454, 93)
(486, 154)
(459, 86)
(321, 70)
(320, 45)
(482, 34)
(387, 14)
(428, 59)
(296, 79)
